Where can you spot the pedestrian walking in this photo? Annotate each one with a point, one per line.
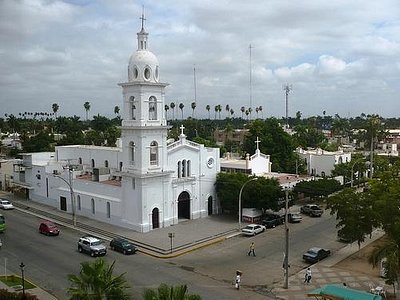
(251, 249)
(307, 277)
(238, 278)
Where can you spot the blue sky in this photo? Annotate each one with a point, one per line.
(342, 57)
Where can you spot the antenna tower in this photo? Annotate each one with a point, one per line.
(287, 88)
(250, 80)
(195, 85)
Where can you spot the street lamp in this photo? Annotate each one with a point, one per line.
(171, 235)
(286, 260)
(352, 170)
(71, 190)
(240, 200)
(22, 266)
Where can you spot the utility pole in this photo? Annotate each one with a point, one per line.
(286, 260)
(287, 88)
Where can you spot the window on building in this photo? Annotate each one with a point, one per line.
(132, 152)
(106, 163)
(340, 160)
(132, 108)
(108, 210)
(120, 166)
(93, 207)
(188, 171)
(80, 160)
(78, 199)
(93, 164)
(152, 108)
(184, 168)
(153, 153)
(133, 183)
(179, 169)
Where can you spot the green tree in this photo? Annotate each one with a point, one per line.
(181, 106)
(166, 108)
(41, 142)
(116, 110)
(166, 292)
(193, 105)
(208, 107)
(55, 108)
(172, 105)
(97, 282)
(86, 106)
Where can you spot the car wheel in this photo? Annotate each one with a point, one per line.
(112, 247)
(91, 253)
(80, 249)
(124, 251)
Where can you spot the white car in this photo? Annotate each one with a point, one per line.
(5, 204)
(253, 229)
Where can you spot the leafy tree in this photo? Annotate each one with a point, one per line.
(274, 141)
(172, 105)
(208, 107)
(181, 106)
(42, 142)
(193, 105)
(86, 106)
(116, 110)
(97, 282)
(166, 292)
(262, 193)
(55, 108)
(242, 109)
(317, 188)
(166, 108)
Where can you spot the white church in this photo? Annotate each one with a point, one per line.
(145, 182)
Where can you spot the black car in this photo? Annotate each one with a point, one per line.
(314, 255)
(272, 220)
(122, 245)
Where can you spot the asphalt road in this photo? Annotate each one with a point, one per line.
(208, 272)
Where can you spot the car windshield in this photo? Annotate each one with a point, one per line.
(126, 244)
(249, 227)
(98, 243)
(5, 202)
(312, 252)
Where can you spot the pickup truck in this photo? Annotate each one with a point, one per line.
(313, 210)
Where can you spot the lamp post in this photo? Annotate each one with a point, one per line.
(352, 170)
(286, 259)
(71, 190)
(240, 201)
(171, 235)
(22, 266)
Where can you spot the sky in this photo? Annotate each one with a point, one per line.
(339, 57)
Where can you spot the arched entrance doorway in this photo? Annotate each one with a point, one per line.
(210, 205)
(155, 218)
(184, 206)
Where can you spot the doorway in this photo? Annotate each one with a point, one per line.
(210, 205)
(63, 203)
(155, 218)
(184, 206)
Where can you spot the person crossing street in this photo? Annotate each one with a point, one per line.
(251, 249)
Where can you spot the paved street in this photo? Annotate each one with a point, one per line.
(208, 271)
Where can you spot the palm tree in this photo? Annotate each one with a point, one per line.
(116, 110)
(166, 108)
(250, 110)
(232, 112)
(96, 281)
(55, 108)
(247, 113)
(216, 110)
(208, 107)
(257, 109)
(260, 109)
(219, 111)
(165, 291)
(172, 105)
(86, 106)
(227, 108)
(181, 106)
(242, 109)
(193, 108)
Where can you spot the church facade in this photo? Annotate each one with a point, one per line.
(144, 183)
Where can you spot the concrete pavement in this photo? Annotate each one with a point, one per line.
(194, 234)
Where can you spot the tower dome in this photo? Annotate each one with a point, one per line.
(143, 64)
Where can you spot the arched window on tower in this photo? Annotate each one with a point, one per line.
(80, 160)
(153, 153)
(152, 108)
(93, 164)
(132, 152)
(106, 163)
(132, 108)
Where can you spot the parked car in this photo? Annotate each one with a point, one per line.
(253, 229)
(1, 243)
(5, 204)
(313, 210)
(91, 245)
(294, 217)
(315, 254)
(122, 245)
(272, 220)
(48, 228)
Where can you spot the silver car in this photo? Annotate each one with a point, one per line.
(5, 204)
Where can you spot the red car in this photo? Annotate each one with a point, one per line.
(48, 228)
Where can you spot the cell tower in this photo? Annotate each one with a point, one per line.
(195, 84)
(250, 81)
(287, 88)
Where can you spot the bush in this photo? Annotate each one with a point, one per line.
(7, 295)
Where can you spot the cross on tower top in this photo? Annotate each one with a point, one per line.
(181, 128)
(143, 18)
(257, 142)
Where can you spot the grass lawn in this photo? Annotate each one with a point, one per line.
(13, 280)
